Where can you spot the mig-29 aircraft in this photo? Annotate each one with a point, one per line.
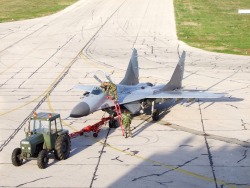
(135, 96)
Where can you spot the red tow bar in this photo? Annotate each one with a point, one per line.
(90, 128)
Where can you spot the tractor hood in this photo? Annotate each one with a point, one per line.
(30, 143)
(33, 139)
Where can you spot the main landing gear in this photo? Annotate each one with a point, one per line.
(155, 112)
(156, 115)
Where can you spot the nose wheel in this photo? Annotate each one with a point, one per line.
(113, 123)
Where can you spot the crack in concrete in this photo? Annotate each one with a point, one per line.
(126, 149)
(11, 77)
(244, 124)
(244, 156)
(134, 152)
(33, 181)
(164, 183)
(237, 184)
(24, 97)
(117, 158)
(208, 105)
(165, 172)
(210, 157)
(184, 145)
(94, 177)
(232, 106)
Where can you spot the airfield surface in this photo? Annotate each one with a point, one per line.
(204, 143)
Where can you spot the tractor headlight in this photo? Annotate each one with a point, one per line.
(28, 148)
(22, 147)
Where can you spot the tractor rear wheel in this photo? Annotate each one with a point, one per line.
(62, 147)
(16, 157)
(56, 156)
(42, 159)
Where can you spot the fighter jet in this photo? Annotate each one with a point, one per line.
(135, 96)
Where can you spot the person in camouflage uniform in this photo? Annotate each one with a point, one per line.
(126, 121)
(110, 89)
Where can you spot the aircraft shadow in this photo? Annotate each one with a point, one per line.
(184, 162)
(78, 144)
(165, 108)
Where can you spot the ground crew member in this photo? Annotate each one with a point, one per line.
(126, 121)
(110, 89)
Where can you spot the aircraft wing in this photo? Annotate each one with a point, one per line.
(186, 94)
(81, 87)
(177, 94)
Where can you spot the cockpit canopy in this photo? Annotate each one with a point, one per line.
(96, 91)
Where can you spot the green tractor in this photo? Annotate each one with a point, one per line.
(45, 135)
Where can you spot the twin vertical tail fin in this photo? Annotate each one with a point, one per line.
(176, 79)
(132, 74)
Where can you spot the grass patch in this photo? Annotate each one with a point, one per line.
(214, 25)
(13, 10)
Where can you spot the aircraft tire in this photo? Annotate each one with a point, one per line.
(113, 124)
(42, 159)
(15, 157)
(95, 135)
(62, 147)
(156, 115)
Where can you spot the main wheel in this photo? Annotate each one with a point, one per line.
(62, 147)
(42, 159)
(156, 115)
(113, 123)
(16, 157)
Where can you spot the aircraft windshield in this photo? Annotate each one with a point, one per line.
(96, 91)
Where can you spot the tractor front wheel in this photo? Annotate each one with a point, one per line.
(16, 157)
(62, 147)
(42, 159)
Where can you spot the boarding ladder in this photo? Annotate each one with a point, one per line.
(118, 112)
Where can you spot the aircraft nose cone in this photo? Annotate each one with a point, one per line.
(81, 109)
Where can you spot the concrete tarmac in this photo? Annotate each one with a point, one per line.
(204, 143)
